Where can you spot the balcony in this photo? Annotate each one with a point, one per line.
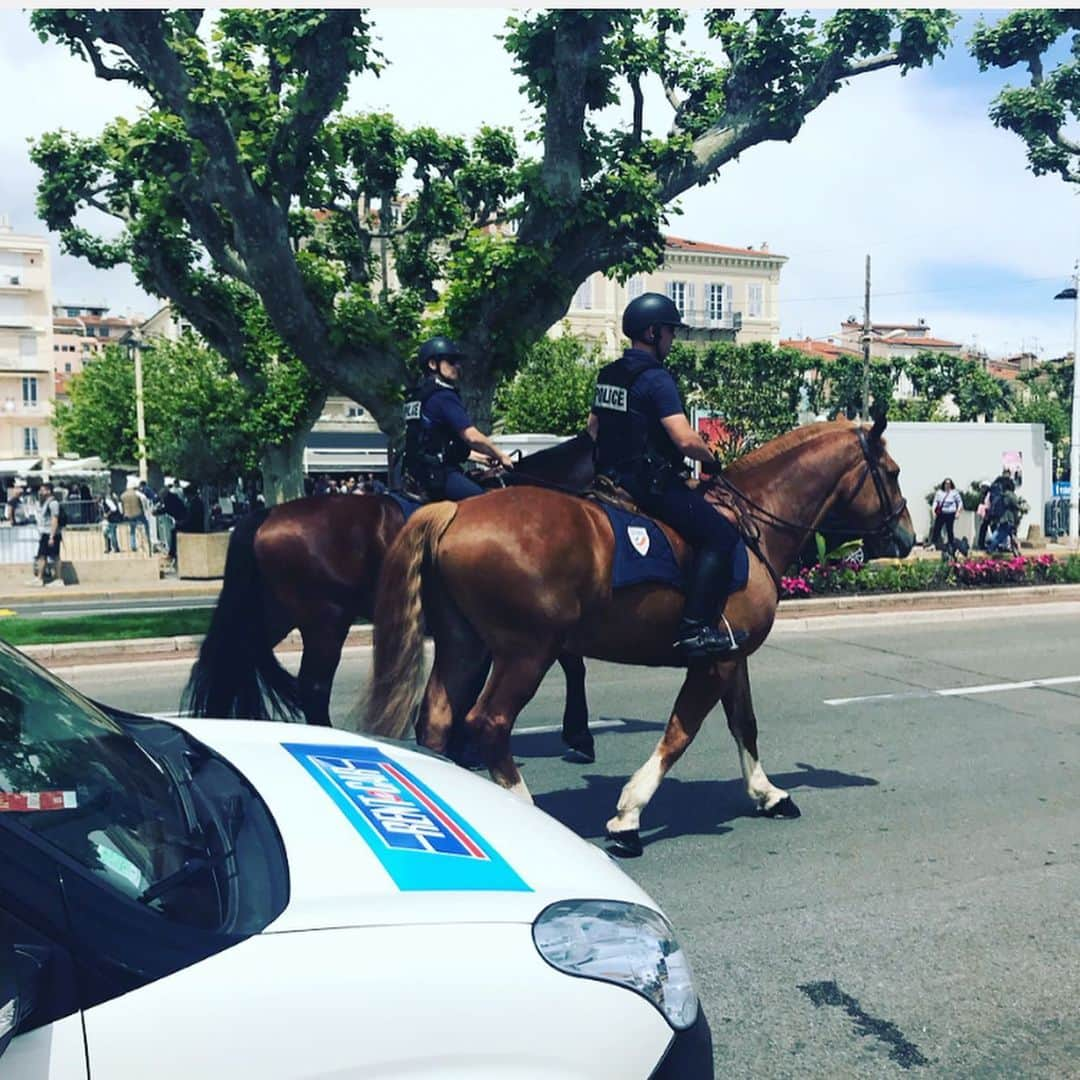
(22, 282)
(12, 360)
(40, 324)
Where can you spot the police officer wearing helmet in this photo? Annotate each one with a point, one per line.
(642, 438)
(439, 435)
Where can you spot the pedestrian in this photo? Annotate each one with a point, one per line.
(133, 504)
(642, 437)
(50, 521)
(439, 434)
(175, 510)
(111, 515)
(947, 504)
(1003, 538)
(195, 518)
(982, 512)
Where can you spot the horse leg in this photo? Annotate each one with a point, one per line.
(456, 681)
(511, 685)
(319, 663)
(581, 747)
(699, 693)
(742, 723)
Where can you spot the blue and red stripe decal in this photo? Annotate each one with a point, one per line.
(421, 841)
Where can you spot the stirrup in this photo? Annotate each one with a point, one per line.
(706, 641)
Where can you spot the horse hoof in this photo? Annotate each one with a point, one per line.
(580, 755)
(626, 843)
(785, 808)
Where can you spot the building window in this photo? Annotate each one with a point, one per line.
(755, 301)
(90, 331)
(681, 293)
(29, 391)
(716, 303)
(73, 312)
(28, 347)
(635, 286)
(29, 440)
(104, 331)
(56, 348)
(354, 411)
(67, 367)
(583, 296)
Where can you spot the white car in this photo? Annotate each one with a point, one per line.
(201, 898)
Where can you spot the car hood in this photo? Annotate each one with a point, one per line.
(378, 834)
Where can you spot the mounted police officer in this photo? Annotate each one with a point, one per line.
(439, 435)
(642, 438)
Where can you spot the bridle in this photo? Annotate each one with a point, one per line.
(890, 514)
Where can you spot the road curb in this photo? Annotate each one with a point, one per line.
(793, 616)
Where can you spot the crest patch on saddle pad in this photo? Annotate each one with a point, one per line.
(639, 537)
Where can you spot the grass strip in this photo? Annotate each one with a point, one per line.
(33, 630)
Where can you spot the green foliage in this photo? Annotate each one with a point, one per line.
(755, 388)
(553, 390)
(244, 178)
(837, 389)
(1043, 112)
(838, 554)
(201, 421)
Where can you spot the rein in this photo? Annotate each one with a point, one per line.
(751, 515)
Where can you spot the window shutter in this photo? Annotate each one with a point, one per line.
(729, 302)
(689, 300)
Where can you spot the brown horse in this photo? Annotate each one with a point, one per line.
(313, 563)
(526, 576)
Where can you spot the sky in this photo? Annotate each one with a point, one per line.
(908, 170)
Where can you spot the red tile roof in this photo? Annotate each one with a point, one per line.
(679, 244)
(1002, 371)
(826, 350)
(926, 342)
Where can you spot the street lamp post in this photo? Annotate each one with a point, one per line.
(1073, 294)
(134, 343)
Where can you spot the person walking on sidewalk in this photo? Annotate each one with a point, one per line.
(947, 504)
(47, 511)
(131, 502)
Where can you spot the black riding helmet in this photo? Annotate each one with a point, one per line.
(649, 309)
(435, 349)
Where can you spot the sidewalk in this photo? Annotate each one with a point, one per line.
(793, 616)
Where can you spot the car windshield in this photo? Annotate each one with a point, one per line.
(77, 780)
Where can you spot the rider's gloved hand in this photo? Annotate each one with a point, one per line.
(712, 468)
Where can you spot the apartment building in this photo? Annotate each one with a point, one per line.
(26, 359)
(80, 333)
(724, 293)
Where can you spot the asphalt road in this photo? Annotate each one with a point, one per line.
(921, 918)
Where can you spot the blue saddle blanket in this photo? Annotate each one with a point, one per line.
(408, 506)
(644, 553)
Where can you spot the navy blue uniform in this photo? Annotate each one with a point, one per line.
(434, 451)
(632, 396)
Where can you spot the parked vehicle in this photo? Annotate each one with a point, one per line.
(216, 898)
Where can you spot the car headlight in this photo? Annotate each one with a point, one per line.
(625, 944)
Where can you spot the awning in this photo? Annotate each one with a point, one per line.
(87, 466)
(19, 466)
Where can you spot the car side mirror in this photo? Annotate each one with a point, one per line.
(9, 995)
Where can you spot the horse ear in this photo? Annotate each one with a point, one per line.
(880, 420)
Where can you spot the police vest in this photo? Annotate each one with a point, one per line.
(429, 445)
(630, 439)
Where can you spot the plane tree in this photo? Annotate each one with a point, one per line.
(245, 179)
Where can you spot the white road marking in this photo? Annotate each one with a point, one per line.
(960, 691)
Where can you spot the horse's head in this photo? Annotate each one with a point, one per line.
(870, 500)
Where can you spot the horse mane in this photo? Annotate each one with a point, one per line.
(782, 445)
(568, 463)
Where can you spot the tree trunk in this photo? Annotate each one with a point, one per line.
(283, 470)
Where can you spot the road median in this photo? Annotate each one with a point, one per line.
(794, 616)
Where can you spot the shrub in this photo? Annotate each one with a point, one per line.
(922, 575)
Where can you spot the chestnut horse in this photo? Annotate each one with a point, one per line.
(525, 575)
(313, 563)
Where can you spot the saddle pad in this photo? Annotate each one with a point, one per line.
(408, 506)
(642, 551)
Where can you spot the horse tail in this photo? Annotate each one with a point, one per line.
(237, 673)
(399, 632)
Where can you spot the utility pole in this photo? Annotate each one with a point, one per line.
(865, 414)
(1073, 293)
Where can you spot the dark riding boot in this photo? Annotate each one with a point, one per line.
(697, 638)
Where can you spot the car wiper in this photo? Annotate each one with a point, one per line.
(190, 868)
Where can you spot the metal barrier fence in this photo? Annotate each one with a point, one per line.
(86, 535)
